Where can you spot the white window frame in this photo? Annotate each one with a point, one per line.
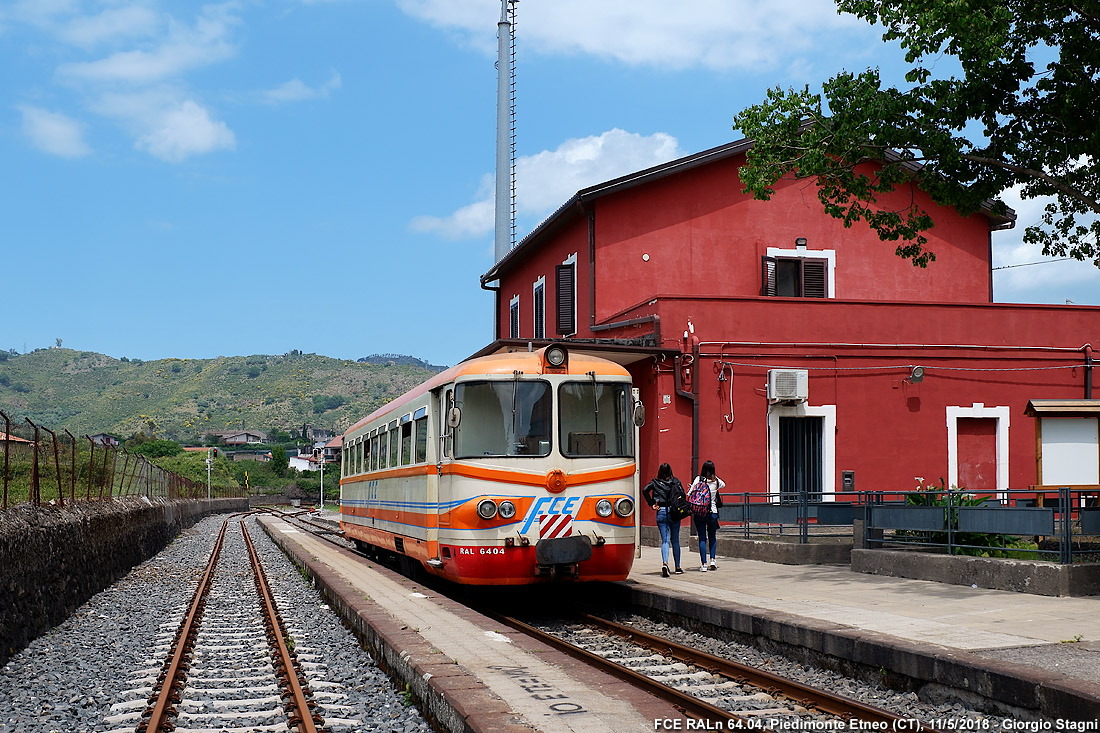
(513, 305)
(535, 295)
(812, 254)
(1002, 415)
(828, 449)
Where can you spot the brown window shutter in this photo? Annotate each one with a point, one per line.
(540, 305)
(814, 280)
(767, 276)
(567, 279)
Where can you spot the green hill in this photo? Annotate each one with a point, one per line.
(185, 399)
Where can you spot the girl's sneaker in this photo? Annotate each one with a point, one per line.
(679, 571)
(703, 569)
(664, 571)
(713, 566)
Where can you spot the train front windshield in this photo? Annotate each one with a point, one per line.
(513, 418)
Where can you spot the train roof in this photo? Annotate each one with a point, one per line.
(528, 362)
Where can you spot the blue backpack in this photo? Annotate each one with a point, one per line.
(699, 498)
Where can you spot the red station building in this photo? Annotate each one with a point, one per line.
(800, 355)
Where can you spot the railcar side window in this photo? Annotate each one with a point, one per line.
(395, 444)
(503, 418)
(406, 441)
(594, 419)
(422, 439)
(374, 441)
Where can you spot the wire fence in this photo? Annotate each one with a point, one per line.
(39, 465)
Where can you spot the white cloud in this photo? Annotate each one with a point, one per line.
(183, 130)
(181, 50)
(131, 21)
(54, 133)
(716, 34)
(296, 90)
(576, 164)
(1030, 277)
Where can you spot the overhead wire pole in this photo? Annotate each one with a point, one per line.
(504, 201)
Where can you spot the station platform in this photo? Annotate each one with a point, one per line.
(471, 673)
(1035, 653)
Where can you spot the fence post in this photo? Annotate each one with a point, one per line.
(803, 517)
(57, 467)
(72, 470)
(35, 496)
(950, 522)
(1065, 554)
(7, 456)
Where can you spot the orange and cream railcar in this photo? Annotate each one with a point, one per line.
(506, 469)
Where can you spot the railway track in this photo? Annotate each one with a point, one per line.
(705, 687)
(231, 663)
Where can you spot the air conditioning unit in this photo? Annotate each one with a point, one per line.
(788, 385)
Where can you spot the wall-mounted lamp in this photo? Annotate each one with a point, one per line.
(800, 242)
(916, 374)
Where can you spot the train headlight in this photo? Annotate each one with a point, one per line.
(603, 508)
(506, 509)
(486, 509)
(624, 507)
(555, 356)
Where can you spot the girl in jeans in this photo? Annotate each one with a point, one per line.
(660, 493)
(707, 525)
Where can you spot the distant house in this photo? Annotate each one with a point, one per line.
(315, 435)
(106, 439)
(5, 438)
(304, 462)
(333, 449)
(250, 455)
(242, 437)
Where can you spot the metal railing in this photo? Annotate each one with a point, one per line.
(39, 466)
(1060, 525)
(793, 515)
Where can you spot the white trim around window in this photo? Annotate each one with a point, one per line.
(814, 254)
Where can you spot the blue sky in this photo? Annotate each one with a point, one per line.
(256, 176)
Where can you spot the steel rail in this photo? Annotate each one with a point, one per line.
(175, 667)
(299, 708)
(811, 697)
(688, 704)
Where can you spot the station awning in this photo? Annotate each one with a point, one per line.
(1063, 408)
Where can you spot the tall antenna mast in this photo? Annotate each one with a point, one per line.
(505, 224)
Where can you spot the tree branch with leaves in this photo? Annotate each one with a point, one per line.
(1007, 120)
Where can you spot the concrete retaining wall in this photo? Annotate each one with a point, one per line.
(1022, 576)
(53, 559)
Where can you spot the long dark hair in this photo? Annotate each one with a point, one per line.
(664, 472)
(707, 471)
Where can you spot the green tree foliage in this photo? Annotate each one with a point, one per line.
(324, 403)
(1024, 111)
(279, 461)
(157, 448)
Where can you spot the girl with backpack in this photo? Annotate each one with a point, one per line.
(665, 493)
(705, 500)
